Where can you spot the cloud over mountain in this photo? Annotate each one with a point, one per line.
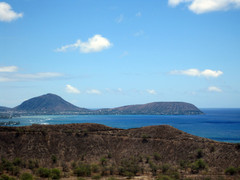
(71, 89)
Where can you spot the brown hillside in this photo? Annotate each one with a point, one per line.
(90, 142)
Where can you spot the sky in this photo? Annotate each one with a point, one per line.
(110, 53)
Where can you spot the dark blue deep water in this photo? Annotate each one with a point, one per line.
(216, 124)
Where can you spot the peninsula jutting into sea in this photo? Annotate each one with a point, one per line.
(53, 104)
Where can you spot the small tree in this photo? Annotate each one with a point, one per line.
(199, 153)
(55, 173)
(96, 176)
(44, 172)
(231, 171)
(198, 165)
(156, 156)
(54, 159)
(83, 170)
(95, 168)
(17, 162)
(154, 168)
(103, 161)
(165, 168)
(5, 177)
(145, 138)
(26, 176)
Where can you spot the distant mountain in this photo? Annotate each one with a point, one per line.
(4, 109)
(53, 104)
(48, 104)
(155, 108)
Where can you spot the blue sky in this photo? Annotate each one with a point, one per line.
(105, 53)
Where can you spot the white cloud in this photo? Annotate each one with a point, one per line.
(214, 89)
(95, 44)
(151, 91)
(35, 76)
(71, 89)
(5, 79)
(8, 69)
(177, 2)
(195, 72)
(93, 91)
(7, 14)
(29, 77)
(120, 18)
(211, 73)
(69, 47)
(204, 6)
(138, 14)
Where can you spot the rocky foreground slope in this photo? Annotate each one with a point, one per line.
(148, 147)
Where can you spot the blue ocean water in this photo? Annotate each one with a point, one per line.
(216, 124)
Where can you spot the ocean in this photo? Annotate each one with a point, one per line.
(217, 124)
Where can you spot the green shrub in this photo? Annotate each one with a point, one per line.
(147, 159)
(103, 161)
(55, 173)
(5, 177)
(130, 165)
(231, 171)
(95, 168)
(198, 165)
(26, 176)
(32, 164)
(165, 168)
(183, 164)
(145, 138)
(128, 174)
(44, 172)
(83, 170)
(80, 178)
(17, 162)
(96, 177)
(54, 159)
(154, 168)
(164, 177)
(109, 156)
(199, 153)
(74, 165)
(156, 156)
(173, 173)
(7, 165)
(111, 178)
(15, 171)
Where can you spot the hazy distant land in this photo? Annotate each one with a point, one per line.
(53, 104)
